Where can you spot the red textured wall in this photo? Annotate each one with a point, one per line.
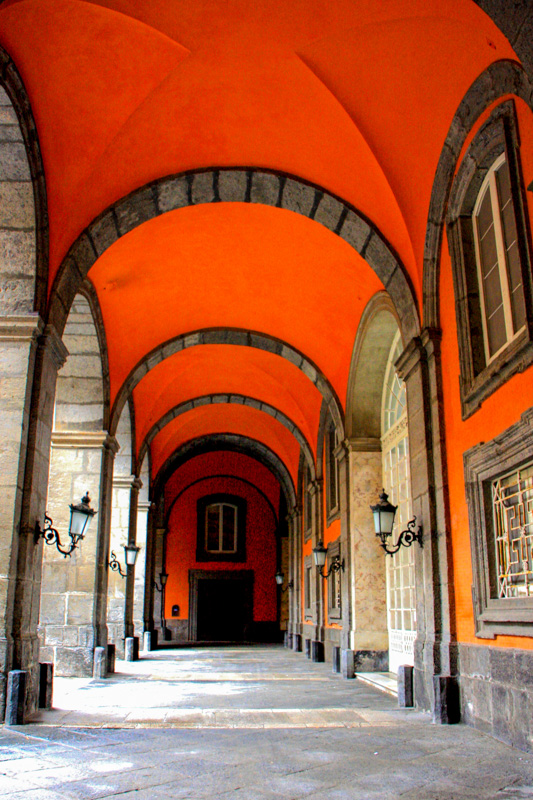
(261, 525)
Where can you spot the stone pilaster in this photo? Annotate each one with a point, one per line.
(68, 584)
(18, 348)
(148, 605)
(132, 539)
(435, 649)
(119, 536)
(159, 567)
(141, 571)
(316, 488)
(24, 590)
(367, 561)
(294, 519)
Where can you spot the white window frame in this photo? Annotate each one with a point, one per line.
(490, 185)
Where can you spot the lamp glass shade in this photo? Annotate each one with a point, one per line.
(384, 513)
(130, 554)
(279, 578)
(320, 553)
(80, 517)
(163, 577)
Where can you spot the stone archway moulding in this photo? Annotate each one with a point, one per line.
(230, 336)
(237, 399)
(242, 185)
(234, 443)
(500, 79)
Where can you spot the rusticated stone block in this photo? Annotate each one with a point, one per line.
(355, 231)
(298, 197)
(329, 212)
(14, 163)
(73, 662)
(173, 194)
(134, 210)
(232, 185)
(103, 233)
(265, 188)
(16, 205)
(202, 188)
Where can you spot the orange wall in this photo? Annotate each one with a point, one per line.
(260, 545)
(502, 409)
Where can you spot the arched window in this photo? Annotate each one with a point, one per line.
(498, 260)
(221, 534)
(401, 598)
(488, 238)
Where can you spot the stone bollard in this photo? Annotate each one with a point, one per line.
(317, 651)
(46, 681)
(147, 641)
(16, 696)
(131, 644)
(100, 662)
(405, 686)
(111, 657)
(347, 664)
(336, 659)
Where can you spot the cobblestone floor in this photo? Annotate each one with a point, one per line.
(250, 723)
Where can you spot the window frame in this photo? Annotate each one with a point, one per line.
(308, 492)
(483, 464)
(202, 554)
(308, 587)
(479, 376)
(332, 468)
(335, 579)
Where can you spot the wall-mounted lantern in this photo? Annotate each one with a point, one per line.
(163, 578)
(320, 554)
(80, 517)
(384, 513)
(280, 577)
(130, 555)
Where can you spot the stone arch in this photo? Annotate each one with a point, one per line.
(375, 333)
(234, 443)
(237, 399)
(233, 477)
(237, 337)
(23, 206)
(241, 185)
(499, 79)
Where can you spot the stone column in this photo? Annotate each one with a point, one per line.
(130, 578)
(26, 557)
(319, 613)
(435, 647)
(141, 572)
(18, 348)
(148, 605)
(119, 536)
(370, 640)
(68, 586)
(294, 519)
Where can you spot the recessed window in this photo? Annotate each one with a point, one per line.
(488, 236)
(332, 472)
(499, 485)
(308, 571)
(498, 261)
(334, 583)
(512, 502)
(221, 528)
(308, 504)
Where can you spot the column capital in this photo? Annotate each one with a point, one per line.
(363, 444)
(20, 328)
(82, 439)
(111, 445)
(411, 357)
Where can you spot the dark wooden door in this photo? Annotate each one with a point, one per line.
(223, 614)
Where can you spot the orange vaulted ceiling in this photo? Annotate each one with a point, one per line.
(225, 369)
(223, 418)
(354, 96)
(223, 462)
(233, 265)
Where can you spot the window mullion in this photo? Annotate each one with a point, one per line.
(502, 259)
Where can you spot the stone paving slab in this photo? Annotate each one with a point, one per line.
(255, 739)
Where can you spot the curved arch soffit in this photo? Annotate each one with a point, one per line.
(236, 185)
(231, 477)
(88, 291)
(236, 399)
(11, 82)
(230, 336)
(373, 341)
(499, 79)
(234, 443)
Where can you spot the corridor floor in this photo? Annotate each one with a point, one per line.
(246, 723)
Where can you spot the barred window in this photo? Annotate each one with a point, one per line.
(512, 499)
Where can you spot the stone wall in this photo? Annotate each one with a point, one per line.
(496, 689)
